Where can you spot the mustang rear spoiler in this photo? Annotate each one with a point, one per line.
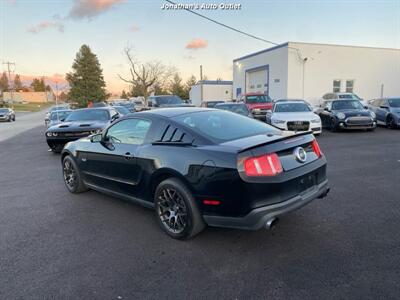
(289, 138)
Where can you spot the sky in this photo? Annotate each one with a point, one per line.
(43, 36)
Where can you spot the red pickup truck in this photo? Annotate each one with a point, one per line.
(258, 104)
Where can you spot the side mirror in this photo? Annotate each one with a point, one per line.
(114, 117)
(96, 138)
(366, 106)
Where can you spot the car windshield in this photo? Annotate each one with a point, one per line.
(89, 115)
(292, 107)
(55, 108)
(348, 96)
(165, 100)
(236, 108)
(122, 110)
(346, 104)
(257, 99)
(3, 110)
(59, 115)
(394, 102)
(222, 126)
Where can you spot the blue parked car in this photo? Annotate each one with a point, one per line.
(387, 111)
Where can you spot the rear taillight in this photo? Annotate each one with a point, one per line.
(265, 165)
(316, 148)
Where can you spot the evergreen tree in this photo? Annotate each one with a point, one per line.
(124, 95)
(188, 85)
(177, 88)
(4, 83)
(86, 81)
(17, 83)
(38, 85)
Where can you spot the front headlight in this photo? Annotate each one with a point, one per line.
(276, 121)
(49, 134)
(373, 115)
(256, 110)
(341, 115)
(316, 120)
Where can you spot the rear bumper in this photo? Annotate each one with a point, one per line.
(257, 218)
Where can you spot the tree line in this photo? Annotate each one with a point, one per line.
(37, 85)
(87, 83)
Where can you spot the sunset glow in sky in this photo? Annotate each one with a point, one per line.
(43, 36)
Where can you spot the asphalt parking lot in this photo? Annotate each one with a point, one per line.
(55, 245)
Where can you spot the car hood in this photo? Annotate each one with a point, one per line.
(79, 126)
(295, 116)
(354, 112)
(259, 105)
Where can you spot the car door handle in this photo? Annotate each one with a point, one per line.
(128, 156)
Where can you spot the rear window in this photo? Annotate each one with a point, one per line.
(239, 109)
(251, 99)
(348, 96)
(222, 126)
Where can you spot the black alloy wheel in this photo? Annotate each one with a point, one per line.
(72, 178)
(176, 210)
(390, 123)
(69, 174)
(172, 210)
(332, 125)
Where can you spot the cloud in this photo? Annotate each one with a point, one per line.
(134, 29)
(45, 25)
(196, 44)
(189, 57)
(91, 8)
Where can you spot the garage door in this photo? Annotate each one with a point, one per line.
(257, 80)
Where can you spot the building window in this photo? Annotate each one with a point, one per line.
(252, 86)
(349, 86)
(336, 86)
(258, 86)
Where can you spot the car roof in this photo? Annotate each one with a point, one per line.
(173, 111)
(61, 110)
(94, 108)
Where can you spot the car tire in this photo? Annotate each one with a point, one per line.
(72, 177)
(176, 210)
(390, 122)
(332, 125)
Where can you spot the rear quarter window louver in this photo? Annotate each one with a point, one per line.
(174, 136)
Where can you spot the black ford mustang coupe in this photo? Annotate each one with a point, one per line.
(80, 123)
(198, 167)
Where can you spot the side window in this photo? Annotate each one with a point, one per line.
(130, 131)
(336, 86)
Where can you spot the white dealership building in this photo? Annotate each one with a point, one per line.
(308, 71)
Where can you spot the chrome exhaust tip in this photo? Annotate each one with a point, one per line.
(271, 223)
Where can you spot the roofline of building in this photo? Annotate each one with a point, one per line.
(262, 51)
(289, 44)
(215, 82)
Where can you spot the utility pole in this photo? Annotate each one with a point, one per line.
(201, 84)
(8, 63)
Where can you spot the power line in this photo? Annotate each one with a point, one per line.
(226, 26)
